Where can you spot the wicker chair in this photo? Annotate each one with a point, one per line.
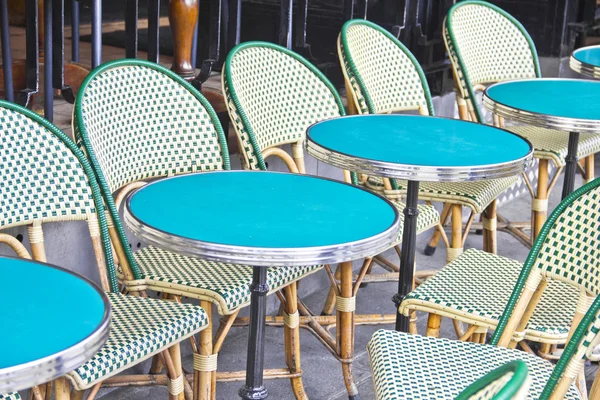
(566, 251)
(486, 45)
(382, 76)
(46, 178)
(139, 121)
(10, 396)
(510, 381)
(274, 106)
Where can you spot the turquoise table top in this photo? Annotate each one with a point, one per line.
(565, 104)
(40, 301)
(586, 60)
(418, 147)
(262, 218)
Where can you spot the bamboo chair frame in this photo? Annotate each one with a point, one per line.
(356, 88)
(344, 283)
(99, 236)
(469, 110)
(207, 347)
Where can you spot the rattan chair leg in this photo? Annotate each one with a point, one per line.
(94, 391)
(489, 228)
(463, 110)
(433, 325)
(330, 300)
(171, 371)
(203, 379)
(595, 390)
(77, 394)
(62, 389)
(15, 245)
(539, 205)
(437, 234)
(291, 332)
(345, 331)
(157, 365)
(175, 352)
(298, 156)
(455, 248)
(36, 241)
(589, 168)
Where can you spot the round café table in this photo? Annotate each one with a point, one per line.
(417, 148)
(586, 61)
(67, 312)
(569, 105)
(262, 219)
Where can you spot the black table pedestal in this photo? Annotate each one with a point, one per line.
(571, 164)
(254, 388)
(407, 260)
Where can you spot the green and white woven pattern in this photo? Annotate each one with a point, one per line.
(481, 286)
(10, 396)
(415, 367)
(386, 70)
(475, 195)
(570, 251)
(492, 47)
(553, 145)
(140, 328)
(226, 285)
(143, 124)
(41, 178)
(276, 105)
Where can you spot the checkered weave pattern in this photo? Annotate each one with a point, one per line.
(41, 177)
(387, 71)
(140, 328)
(553, 145)
(570, 251)
(226, 285)
(10, 396)
(143, 124)
(277, 105)
(492, 47)
(415, 367)
(474, 195)
(481, 286)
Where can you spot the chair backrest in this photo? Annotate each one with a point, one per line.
(273, 96)
(381, 74)
(137, 120)
(486, 45)
(511, 381)
(567, 249)
(46, 178)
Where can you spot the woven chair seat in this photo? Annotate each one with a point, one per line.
(474, 195)
(10, 396)
(475, 289)
(140, 327)
(552, 145)
(416, 367)
(226, 285)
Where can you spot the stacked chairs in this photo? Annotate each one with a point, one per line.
(486, 45)
(566, 251)
(382, 76)
(138, 121)
(46, 178)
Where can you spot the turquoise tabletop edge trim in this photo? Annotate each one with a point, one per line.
(589, 55)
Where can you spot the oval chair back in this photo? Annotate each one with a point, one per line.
(508, 382)
(273, 96)
(381, 74)
(567, 250)
(486, 45)
(46, 178)
(137, 120)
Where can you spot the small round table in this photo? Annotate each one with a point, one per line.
(262, 219)
(417, 148)
(569, 105)
(586, 61)
(67, 311)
